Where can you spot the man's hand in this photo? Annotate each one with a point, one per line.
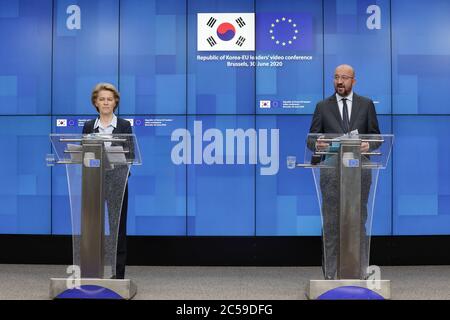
(364, 146)
(321, 145)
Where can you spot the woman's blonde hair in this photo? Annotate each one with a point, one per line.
(105, 86)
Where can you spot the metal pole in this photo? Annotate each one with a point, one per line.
(349, 255)
(92, 214)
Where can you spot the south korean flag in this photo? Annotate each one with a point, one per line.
(61, 122)
(225, 31)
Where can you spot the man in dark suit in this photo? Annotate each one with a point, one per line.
(343, 112)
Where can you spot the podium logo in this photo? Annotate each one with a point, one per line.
(61, 122)
(220, 148)
(225, 31)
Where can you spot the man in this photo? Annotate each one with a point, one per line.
(343, 112)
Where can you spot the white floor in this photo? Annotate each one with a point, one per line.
(246, 283)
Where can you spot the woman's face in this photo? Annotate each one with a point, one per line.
(105, 102)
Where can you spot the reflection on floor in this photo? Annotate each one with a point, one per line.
(203, 283)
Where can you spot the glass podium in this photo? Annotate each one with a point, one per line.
(97, 167)
(345, 170)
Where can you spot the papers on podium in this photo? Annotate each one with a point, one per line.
(114, 154)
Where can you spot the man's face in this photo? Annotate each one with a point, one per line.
(343, 80)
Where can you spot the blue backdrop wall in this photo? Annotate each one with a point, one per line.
(54, 52)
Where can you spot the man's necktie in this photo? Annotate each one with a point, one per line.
(345, 116)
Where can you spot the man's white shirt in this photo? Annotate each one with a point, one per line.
(349, 104)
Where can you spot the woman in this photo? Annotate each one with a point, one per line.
(105, 99)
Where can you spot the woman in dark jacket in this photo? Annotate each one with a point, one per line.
(105, 99)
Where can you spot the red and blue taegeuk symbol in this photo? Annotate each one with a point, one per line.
(226, 31)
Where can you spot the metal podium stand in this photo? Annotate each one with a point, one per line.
(97, 167)
(346, 181)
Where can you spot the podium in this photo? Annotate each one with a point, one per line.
(346, 178)
(97, 167)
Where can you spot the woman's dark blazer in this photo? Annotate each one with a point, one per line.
(123, 126)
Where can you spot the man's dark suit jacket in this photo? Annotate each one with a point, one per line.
(327, 118)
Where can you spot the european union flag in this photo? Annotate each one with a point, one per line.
(284, 31)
